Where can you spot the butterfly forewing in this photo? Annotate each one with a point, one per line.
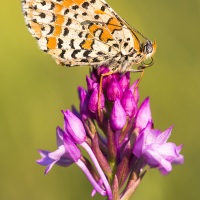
(81, 32)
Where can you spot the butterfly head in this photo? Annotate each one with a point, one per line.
(148, 48)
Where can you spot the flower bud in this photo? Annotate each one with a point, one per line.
(74, 127)
(114, 90)
(84, 101)
(118, 116)
(91, 84)
(135, 91)
(128, 103)
(93, 102)
(124, 81)
(144, 115)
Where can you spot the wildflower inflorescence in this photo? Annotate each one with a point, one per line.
(120, 138)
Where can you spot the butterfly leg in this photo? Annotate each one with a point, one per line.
(139, 80)
(100, 91)
(141, 69)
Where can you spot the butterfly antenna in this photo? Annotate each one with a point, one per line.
(136, 31)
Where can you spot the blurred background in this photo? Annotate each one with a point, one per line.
(33, 90)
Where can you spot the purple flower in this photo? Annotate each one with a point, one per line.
(117, 136)
(152, 146)
(61, 156)
(67, 154)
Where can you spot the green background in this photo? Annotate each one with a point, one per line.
(33, 90)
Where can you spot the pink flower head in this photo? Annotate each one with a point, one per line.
(117, 136)
(152, 146)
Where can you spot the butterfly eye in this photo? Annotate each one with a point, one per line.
(148, 47)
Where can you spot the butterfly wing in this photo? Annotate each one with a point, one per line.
(78, 32)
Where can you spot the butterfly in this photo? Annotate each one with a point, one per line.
(86, 32)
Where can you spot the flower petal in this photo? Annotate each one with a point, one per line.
(118, 116)
(114, 90)
(84, 101)
(135, 91)
(93, 101)
(143, 115)
(124, 81)
(162, 138)
(71, 149)
(74, 127)
(45, 160)
(59, 136)
(129, 103)
(154, 159)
